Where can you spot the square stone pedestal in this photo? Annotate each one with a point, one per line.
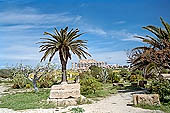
(65, 94)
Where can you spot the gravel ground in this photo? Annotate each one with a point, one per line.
(117, 103)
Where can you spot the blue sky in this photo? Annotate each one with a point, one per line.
(110, 26)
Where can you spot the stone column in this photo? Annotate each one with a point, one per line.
(72, 67)
(76, 66)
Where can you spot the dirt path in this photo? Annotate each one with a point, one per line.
(2, 89)
(118, 103)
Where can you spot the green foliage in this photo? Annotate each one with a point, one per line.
(116, 77)
(77, 110)
(89, 85)
(19, 81)
(45, 75)
(27, 100)
(137, 72)
(136, 78)
(64, 42)
(161, 87)
(155, 56)
(124, 72)
(103, 76)
(81, 101)
(106, 90)
(163, 107)
(28, 86)
(165, 71)
(95, 71)
(46, 81)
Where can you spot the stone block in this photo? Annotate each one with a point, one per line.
(151, 99)
(61, 94)
(64, 102)
(64, 91)
(66, 86)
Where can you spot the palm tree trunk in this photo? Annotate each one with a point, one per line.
(64, 72)
(63, 64)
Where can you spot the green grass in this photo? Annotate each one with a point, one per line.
(27, 100)
(77, 110)
(105, 91)
(163, 107)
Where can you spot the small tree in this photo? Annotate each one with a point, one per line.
(27, 71)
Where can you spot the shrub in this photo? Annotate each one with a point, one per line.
(19, 81)
(89, 85)
(135, 78)
(77, 110)
(116, 77)
(95, 71)
(46, 81)
(161, 87)
(28, 86)
(124, 72)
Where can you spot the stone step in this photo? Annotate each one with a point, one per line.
(66, 86)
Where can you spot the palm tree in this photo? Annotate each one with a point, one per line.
(157, 54)
(64, 43)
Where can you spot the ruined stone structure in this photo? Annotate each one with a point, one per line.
(65, 94)
(150, 99)
(85, 64)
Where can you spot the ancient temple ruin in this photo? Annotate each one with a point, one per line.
(85, 64)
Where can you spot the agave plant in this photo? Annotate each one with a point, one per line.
(64, 42)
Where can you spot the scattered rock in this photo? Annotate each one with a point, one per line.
(150, 99)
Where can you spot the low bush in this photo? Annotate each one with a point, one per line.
(136, 78)
(19, 81)
(116, 77)
(89, 85)
(46, 81)
(77, 110)
(161, 87)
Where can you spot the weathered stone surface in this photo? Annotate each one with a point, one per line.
(64, 102)
(60, 94)
(151, 99)
(64, 91)
(66, 86)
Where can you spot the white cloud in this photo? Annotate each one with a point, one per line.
(120, 22)
(22, 27)
(95, 30)
(23, 53)
(34, 18)
(124, 35)
(30, 18)
(20, 52)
